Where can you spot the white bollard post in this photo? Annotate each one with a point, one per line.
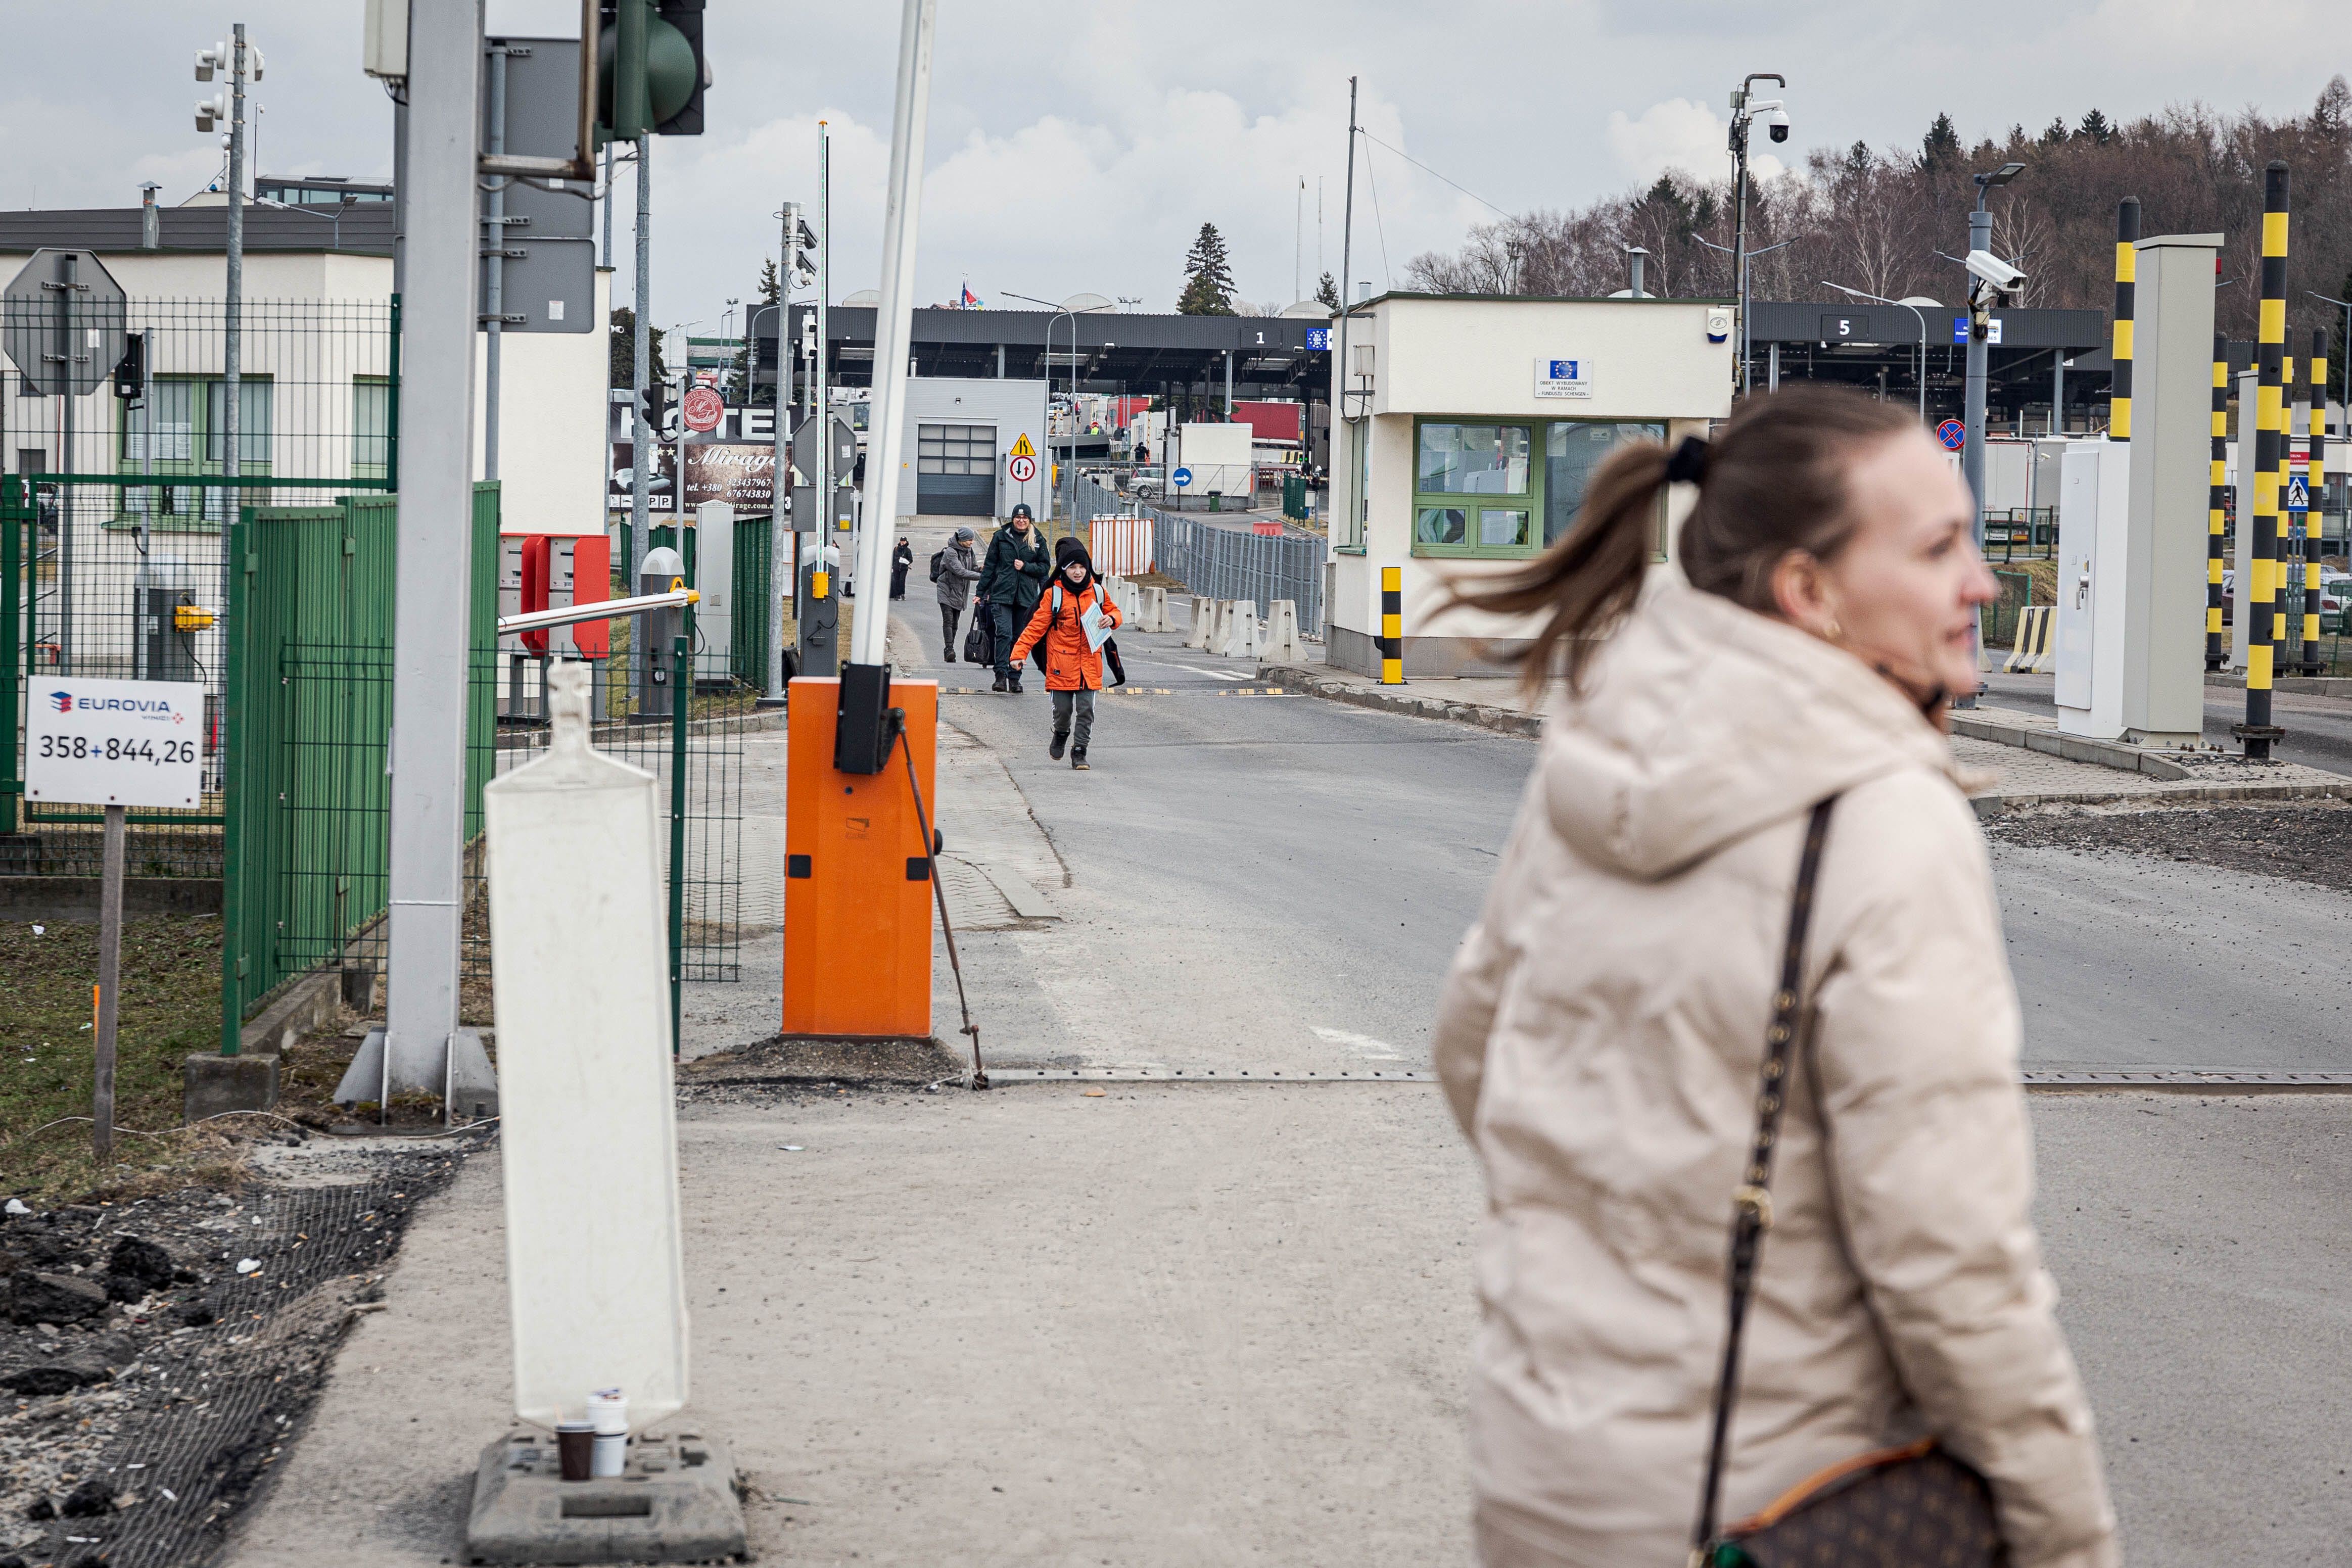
(595, 1279)
(1154, 616)
(1203, 622)
(1282, 634)
(1246, 642)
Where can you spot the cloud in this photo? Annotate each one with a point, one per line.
(1682, 136)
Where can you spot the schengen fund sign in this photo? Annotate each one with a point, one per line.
(114, 743)
(1563, 378)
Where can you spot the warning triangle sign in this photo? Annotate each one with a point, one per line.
(1022, 448)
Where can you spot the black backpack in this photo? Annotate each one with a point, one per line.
(939, 559)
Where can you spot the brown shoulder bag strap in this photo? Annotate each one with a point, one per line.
(1751, 1205)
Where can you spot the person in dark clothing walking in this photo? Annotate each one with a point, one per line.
(902, 560)
(958, 571)
(1010, 582)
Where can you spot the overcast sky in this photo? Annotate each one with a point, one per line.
(1079, 146)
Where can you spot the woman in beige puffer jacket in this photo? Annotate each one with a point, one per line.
(1603, 1028)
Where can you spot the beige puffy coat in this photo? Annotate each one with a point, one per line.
(1600, 1038)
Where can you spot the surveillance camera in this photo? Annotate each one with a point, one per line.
(1994, 271)
(204, 63)
(1776, 125)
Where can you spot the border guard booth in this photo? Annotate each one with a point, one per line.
(1470, 426)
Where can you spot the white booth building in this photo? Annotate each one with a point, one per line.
(1470, 427)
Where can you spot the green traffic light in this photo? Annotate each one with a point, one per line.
(655, 67)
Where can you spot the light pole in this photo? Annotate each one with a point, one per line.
(1744, 108)
(1983, 295)
(1878, 299)
(243, 62)
(1045, 426)
(1747, 269)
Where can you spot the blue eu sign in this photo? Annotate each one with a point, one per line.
(1318, 338)
(1564, 370)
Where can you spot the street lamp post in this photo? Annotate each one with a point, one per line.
(1981, 298)
(1877, 300)
(1046, 412)
(1744, 108)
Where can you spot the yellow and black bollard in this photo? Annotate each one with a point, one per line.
(2292, 395)
(2258, 587)
(2314, 519)
(2127, 289)
(1392, 625)
(2216, 520)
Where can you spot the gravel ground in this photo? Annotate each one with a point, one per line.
(2307, 842)
(160, 1353)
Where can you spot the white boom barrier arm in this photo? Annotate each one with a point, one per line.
(603, 609)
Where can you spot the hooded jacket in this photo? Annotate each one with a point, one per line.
(1070, 665)
(1014, 570)
(1600, 1038)
(957, 572)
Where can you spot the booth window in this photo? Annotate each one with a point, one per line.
(1573, 448)
(1457, 467)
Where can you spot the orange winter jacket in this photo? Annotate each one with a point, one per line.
(1070, 665)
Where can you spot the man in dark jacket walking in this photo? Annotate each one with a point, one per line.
(958, 572)
(1010, 583)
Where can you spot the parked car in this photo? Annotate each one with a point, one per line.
(2335, 598)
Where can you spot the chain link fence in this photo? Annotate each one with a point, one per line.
(1218, 562)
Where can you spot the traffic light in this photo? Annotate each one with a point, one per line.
(131, 370)
(654, 405)
(801, 261)
(650, 69)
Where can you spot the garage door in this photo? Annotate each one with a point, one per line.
(955, 470)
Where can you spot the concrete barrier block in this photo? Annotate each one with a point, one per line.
(1153, 616)
(214, 1085)
(1203, 622)
(1246, 641)
(1282, 634)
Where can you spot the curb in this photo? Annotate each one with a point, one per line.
(2301, 685)
(1987, 806)
(1388, 699)
(2072, 747)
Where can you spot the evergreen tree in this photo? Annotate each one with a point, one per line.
(624, 358)
(1327, 293)
(2055, 135)
(1941, 145)
(2095, 128)
(1208, 277)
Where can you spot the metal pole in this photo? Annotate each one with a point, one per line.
(233, 314)
(2119, 397)
(1740, 228)
(1340, 355)
(642, 454)
(1980, 358)
(821, 526)
(110, 987)
(494, 245)
(780, 494)
(433, 577)
(604, 256)
(2257, 578)
(67, 298)
(681, 689)
(894, 326)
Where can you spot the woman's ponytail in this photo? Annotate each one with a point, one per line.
(1587, 581)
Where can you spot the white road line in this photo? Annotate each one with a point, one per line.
(1363, 1045)
(1204, 670)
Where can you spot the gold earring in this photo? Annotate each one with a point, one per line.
(1832, 631)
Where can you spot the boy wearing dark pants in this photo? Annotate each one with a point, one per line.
(1072, 618)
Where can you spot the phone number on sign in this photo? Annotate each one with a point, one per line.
(116, 749)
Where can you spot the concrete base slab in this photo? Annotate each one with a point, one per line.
(470, 1084)
(217, 1084)
(674, 1503)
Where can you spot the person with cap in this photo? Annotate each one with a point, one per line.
(956, 572)
(1011, 580)
(1073, 620)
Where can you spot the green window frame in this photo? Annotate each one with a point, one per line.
(1506, 489)
(186, 419)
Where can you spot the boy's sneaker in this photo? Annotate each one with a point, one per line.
(1078, 757)
(1061, 739)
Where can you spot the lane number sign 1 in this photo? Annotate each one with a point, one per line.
(114, 743)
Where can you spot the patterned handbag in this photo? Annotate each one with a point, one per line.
(1912, 1506)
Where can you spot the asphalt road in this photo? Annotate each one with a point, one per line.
(1280, 881)
(2318, 729)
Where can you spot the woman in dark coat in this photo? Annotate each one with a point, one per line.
(901, 560)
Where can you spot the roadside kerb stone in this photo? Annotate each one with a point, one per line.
(1404, 700)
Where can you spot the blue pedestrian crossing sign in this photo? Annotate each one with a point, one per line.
(2298, 494)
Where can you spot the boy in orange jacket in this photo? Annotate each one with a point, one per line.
(1073, 618)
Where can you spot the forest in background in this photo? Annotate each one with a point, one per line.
(1873, 219)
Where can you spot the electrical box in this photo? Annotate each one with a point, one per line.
(170, 618)
(661, 630)
(2093, 524)
(714, 578)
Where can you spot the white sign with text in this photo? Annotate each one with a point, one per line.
(1563, 378)
(114, 743)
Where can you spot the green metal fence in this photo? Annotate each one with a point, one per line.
(307, 701)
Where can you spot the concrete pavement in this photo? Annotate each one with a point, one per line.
(1208, 1324)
